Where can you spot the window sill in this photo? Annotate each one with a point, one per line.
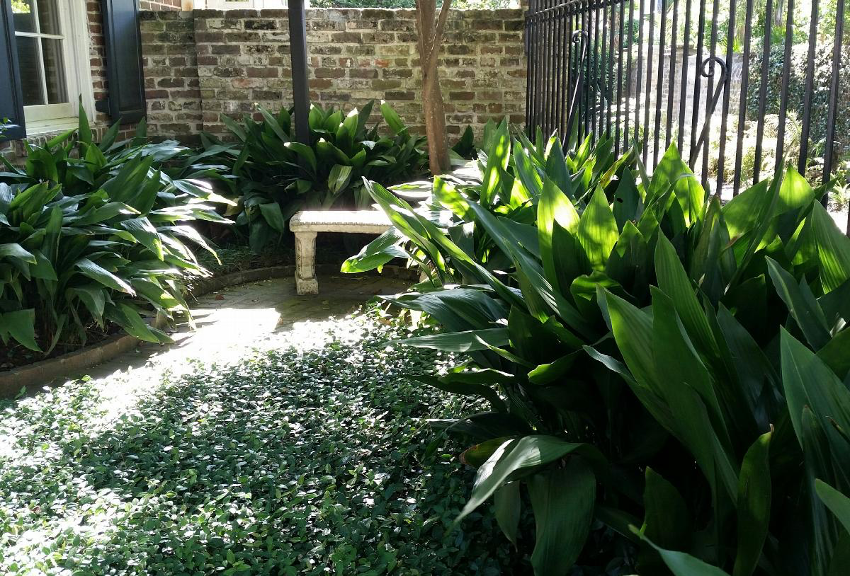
(44, 128)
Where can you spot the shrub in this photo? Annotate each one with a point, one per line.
(94, 233)
(664, 373)
(277, 176)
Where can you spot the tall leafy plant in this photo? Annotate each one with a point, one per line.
(276, 175)
(92, 234)
(650, 356)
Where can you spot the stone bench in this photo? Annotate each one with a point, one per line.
(306, 224)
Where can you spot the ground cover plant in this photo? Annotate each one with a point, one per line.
(275, 175)
(93, 234)
(309, 459)
(667, 376)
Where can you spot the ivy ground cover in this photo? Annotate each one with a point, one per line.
(294, 461)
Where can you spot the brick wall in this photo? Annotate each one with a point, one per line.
(97, 54)
(202, 64)
(171, 74)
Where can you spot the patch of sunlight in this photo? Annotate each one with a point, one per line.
(224, 336)
(315, 334)
(221, 336)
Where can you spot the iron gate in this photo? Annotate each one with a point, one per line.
(737, 85)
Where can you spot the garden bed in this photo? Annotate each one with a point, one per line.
(239, 265)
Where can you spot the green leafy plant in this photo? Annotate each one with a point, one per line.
(642, 347)
(276, 175)
(92, 234)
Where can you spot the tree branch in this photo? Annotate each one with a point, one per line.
(438, 30)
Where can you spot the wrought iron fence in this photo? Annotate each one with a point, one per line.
(737, 85)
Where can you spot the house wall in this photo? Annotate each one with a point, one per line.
(97, 49)
(203, 64)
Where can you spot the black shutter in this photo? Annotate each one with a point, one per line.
(11, 100)
(124, 72)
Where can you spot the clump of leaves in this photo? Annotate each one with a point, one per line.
(658, 364)
(276, 175)
(291, 462)
(96, 233)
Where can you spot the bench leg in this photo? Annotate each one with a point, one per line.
(305, 263)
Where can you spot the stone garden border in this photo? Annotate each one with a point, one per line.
(36, 375)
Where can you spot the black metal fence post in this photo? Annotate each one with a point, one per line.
(298, 56)
(642, 72)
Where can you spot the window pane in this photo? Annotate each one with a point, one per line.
(54, 69)
(23, 15)
(48, 17)
(31, 85)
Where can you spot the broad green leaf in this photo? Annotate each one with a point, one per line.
(754, 497)
(339, 178)
(556, 169)
(498, 155)
(517, 455)
(104, 276)
(674, 281)
(143, 231)
(84, 130)
(93, 297)
(833, 249)
(21, 326)
(393, 119)
(526, 171)
(43, 268)
(682, 564)
(690, 392)
(466, 341)
(377, 253)
(812, 386)
(507, 509)
(667, 519)
(15, 251)
(838, 503)
(633, 332)
(130, 320)
(597, 230)
(553, 207)
(835, 353)
(563, 500)
(304, 152)
(627, 202)
(272, 214)
(801, 304)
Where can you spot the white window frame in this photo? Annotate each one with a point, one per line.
(73, 20)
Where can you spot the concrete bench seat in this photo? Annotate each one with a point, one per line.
(306, 224)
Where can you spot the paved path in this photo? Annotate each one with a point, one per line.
(235, 321)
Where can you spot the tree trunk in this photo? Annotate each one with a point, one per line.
(430, 32)
(435, 123)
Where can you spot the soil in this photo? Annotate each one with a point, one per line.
(13, 355)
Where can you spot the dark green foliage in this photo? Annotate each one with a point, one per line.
(682, 353)
(797, 91)
(92, 234)
(276, 176)
(291, 462)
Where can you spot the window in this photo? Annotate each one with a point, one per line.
(51, 39)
